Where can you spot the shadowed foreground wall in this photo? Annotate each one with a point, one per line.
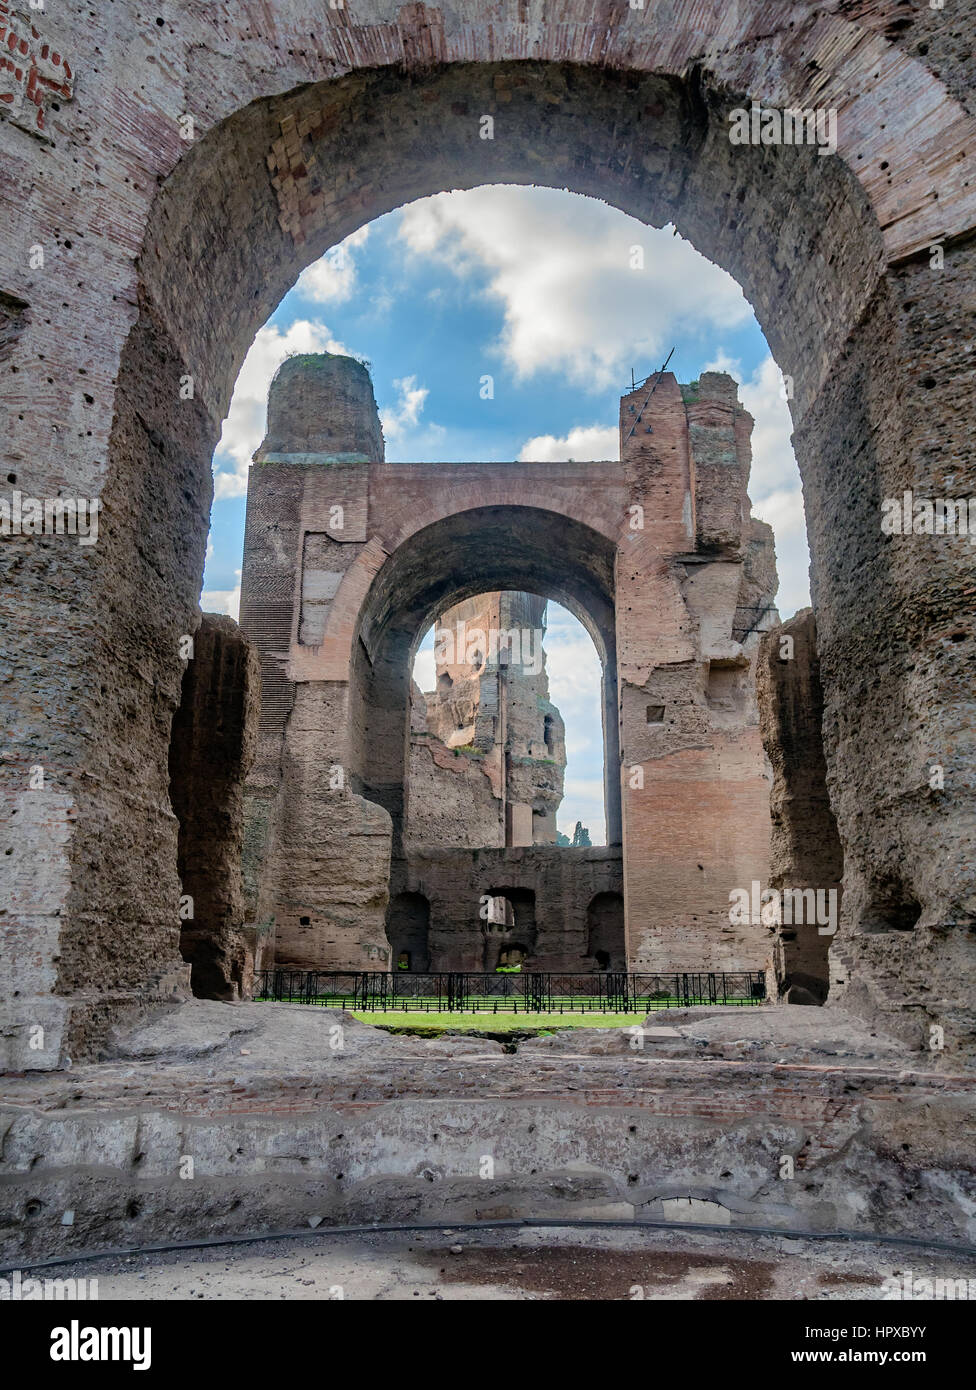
(805, 848)
(214, 733)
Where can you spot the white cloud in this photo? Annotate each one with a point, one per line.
(573, 668)
(245, 424)
(783, 510)
(773, 462)
(774, 484)
(584, 443)
(223, 600)
(332, 279)
(405, 412)
(722, 362)
(424, 666)
(402, 428)
(561, 267)
(574, 672)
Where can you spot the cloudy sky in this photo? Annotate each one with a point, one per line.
(556, 297)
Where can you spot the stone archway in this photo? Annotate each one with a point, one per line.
(408, 932)
(346, 702)
(530, 548)
(509, 933)
(127, 346)
(350, 558)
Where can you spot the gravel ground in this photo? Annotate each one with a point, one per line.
(550, 1263)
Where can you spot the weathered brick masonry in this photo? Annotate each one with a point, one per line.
(552, 890)
(487, 746)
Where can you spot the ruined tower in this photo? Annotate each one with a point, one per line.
(488, 747)
(696, 582)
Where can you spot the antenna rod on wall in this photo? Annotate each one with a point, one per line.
(650, 393)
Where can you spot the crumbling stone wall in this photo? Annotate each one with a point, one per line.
(317, 852)
(696, 580)
(451, 795)
(348, 431)
(550, 891)
(213, 747)
(805, 848)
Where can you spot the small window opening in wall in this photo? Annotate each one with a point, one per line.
(603, 960)
(444, 684)
(547, 733)
(511, 958)
(500, 912)
(724, 690)
(13, 317)
(304, 921)
(477, 661)
(403, 960)
(655, 714)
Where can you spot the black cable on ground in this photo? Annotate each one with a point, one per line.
(518, 1223)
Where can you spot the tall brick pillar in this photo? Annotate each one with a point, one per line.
(695, 584)
(317, 852)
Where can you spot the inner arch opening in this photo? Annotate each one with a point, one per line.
(506, 728)
(528, 553)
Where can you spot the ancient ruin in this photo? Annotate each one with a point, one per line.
(363, 815)
(183, 803)
(136, 337)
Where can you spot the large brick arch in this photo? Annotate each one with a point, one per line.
(165, 256)
(471, 551)
(412, 500)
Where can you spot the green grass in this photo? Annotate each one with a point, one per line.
(493, 1023)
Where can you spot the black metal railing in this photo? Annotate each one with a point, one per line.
(523, 992)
